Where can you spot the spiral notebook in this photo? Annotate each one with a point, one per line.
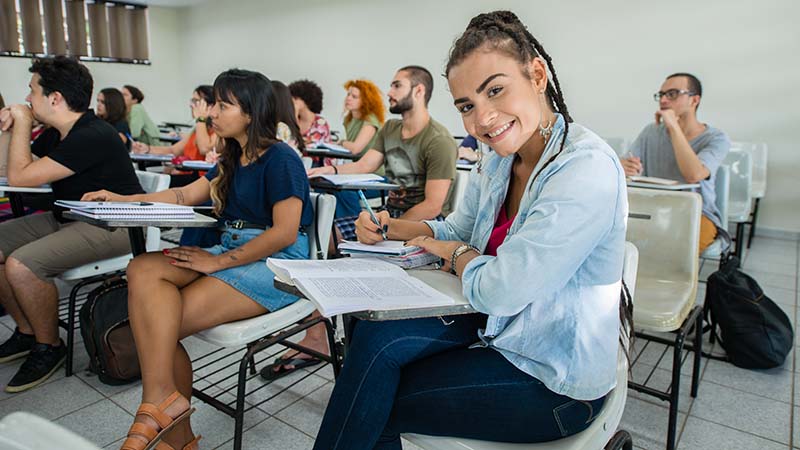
(128, 210)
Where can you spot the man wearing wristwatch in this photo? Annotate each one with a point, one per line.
(677, 146)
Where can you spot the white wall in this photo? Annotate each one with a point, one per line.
(160, 81)
(610, 56)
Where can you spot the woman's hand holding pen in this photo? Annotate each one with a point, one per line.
(366, 229)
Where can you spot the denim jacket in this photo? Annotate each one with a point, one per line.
(552, 292)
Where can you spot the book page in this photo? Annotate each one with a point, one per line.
(337, 295)
(291, 269)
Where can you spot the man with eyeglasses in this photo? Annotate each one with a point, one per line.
(679, 147)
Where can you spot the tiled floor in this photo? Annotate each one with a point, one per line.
(735, 408)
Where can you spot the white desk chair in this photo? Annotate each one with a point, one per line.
(259, 333)
(665, 227)
(719, 248)
(98, 271)
(459, 186)
(758, 153)
(740, 200)
(26, 431)
(601, 434)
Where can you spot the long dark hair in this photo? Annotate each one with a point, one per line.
(504, 32)
(115, 105)
(253, 92)
(286, 113)
(206, 92)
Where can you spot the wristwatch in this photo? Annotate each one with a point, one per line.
(200, 119)
(460, 250)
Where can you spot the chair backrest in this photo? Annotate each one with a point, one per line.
(722, 191)
(319, 234)
(25, 431)
(740, 190)
(758, 153)
(619, 144)
(153, 182)
(630, 267)
(665, 228)
(459, 186)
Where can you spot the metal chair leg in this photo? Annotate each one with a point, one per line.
(753, 223)
(698, 353)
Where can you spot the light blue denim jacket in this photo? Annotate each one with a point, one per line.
(552, 292)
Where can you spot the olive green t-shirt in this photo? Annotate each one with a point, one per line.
(143, 129)
(352, 128)
(430, 155)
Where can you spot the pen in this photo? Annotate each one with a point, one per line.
(372, 214)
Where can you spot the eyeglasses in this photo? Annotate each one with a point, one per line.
(671, 94)
(194, 101)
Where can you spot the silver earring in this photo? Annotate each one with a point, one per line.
(545, 130)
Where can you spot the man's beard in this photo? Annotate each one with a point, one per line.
(402, 105)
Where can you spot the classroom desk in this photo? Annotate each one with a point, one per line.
(171, 139)
(447, 284)
(325, 153)
(15, 195)
(136, 227)
(663, 187)
(145, 160)
(463, 164)
(319, 184)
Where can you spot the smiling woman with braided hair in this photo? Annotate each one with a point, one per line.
(538, 243)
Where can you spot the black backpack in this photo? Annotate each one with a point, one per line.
(756, 334)
(107, 333)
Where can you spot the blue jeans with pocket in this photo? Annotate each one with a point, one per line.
(420, 376)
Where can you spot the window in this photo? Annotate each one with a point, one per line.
(92, 30)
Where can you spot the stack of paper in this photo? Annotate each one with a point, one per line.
(395, 252)
(346, 285)
(128, 210)
(344, 180)
(332, 147)
(653, 180)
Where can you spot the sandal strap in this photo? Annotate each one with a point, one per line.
(169, 400)
(194, 444)
(140, 429)
(134, 442)
(154, 412)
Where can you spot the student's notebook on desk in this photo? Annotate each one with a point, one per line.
(653, 180)
(344, 180)
(347, 285)
(332, 147)
(128, 210)
(395, 252)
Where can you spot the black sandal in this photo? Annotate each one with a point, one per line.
(269, 373)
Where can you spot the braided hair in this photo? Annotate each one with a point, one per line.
(504, 32)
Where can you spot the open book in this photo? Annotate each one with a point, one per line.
(653, 180)
(128, 210)
(333, 147)
(356, 284)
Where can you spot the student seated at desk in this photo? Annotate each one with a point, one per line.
(79, 153)
(538, 243)
(288, 131)
(419, 154)
(307, 99)
(365, 116)
(194, 146)
(260, 183)
(111, 108)
(143, 129)
(677, 146)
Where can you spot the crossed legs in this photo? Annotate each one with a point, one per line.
(166, 304)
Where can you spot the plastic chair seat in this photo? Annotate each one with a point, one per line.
(594, 437)
(97, 268)
(662, 304)
(243, 332)
(25, 431)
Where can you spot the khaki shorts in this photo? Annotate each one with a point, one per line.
(49, 248)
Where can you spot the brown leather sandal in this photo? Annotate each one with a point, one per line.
(143, 436)
(193, 445)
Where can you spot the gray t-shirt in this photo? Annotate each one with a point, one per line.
(654, 147)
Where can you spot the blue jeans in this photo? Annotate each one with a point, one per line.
(419, 376)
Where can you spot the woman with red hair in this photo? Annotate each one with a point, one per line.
(365, 115)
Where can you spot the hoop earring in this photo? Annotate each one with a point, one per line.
(544, 130)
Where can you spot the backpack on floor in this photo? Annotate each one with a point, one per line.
(756, 334)
(107, 334)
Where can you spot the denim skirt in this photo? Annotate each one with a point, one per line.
(255, 280)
